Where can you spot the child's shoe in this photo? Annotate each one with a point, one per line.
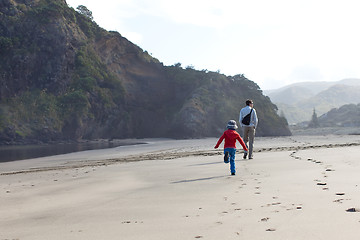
(245, 155)
(226, 157)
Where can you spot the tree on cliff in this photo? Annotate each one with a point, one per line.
(85, 11)
(314, 123)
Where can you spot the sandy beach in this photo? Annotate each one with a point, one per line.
(298, 187)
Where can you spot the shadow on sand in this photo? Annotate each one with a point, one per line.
(199, 179)
(202, 164)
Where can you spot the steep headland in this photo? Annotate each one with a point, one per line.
(65, 78)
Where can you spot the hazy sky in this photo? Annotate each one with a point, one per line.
(273, 43)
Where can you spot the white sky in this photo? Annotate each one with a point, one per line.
(273, 43)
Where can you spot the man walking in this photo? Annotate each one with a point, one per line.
(248, 121)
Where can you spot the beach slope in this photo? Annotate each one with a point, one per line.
(300, 187)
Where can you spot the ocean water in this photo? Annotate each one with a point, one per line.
(20, 152)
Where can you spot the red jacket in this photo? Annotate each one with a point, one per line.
(230, 139)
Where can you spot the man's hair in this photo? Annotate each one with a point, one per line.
(248, 102)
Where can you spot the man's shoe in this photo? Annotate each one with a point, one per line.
(226, 157)
(232, 173)
(245, 155)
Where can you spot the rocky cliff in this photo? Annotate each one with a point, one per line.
(64, 77)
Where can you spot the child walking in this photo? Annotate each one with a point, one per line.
(230, 137)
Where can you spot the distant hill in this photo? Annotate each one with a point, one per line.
(313, 87)
(345, 116)
(291, 95)
(335, 96)
(65, 78)
(297, 101)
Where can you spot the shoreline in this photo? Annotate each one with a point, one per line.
(294, 130)
(169, 156)
(23, 152)
(156, 152)
(80, 141)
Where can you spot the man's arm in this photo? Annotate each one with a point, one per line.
(240, 119)
(255, 118)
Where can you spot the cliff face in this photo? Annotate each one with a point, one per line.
(64, 77)
(37, 47)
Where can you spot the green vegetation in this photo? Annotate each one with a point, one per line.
(93, 76)
(92, 91)
(83, 10)
(48, 10)
(4, 116)
(31, 112)
(74, 104)
(5, 43)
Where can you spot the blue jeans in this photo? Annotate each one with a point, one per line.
(232, 152)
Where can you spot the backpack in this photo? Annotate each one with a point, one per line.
(246, 119)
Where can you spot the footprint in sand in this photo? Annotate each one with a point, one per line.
(272, 204)
(321, 183)
(353, 210)
(271, 230)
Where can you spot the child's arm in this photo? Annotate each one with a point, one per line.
(219, 141)
(242, 143)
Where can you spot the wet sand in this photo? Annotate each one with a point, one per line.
(300, 187)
